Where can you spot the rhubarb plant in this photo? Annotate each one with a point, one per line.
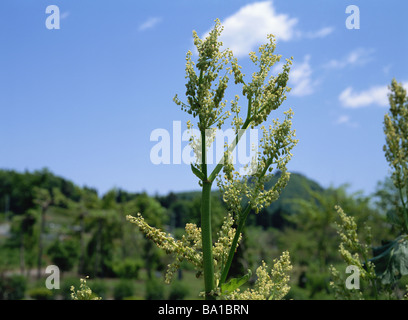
(208, 77)
(389, 261)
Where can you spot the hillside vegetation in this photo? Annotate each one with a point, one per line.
(48, 219)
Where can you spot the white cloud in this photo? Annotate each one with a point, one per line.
(149, 23)
(375, 95)
(300, 78)
(248, 27)
(319, 33)
(359, 56)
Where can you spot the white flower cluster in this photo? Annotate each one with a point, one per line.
(271, 285)
(396, 148)
(189, 246)
(84, 292)
(275, 152)
(204, 98)
(353, 252)
(207, 81)
(350, 243)
(266, 94)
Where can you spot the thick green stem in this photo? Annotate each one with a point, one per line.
(208, 263)
(206, 233)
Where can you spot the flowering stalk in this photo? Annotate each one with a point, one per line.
(205, 101)
(355, 253)
(84, 292)
(271, 285)
(206, 211)
(396, 147)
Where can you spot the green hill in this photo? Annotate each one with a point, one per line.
(298, 188)
(16, 195)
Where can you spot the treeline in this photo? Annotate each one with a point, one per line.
(18, 195)
(54, 221)
(17, 189)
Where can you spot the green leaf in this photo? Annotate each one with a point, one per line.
(197, 172)
(391, 260)
(235, 283)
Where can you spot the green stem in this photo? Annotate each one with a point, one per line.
(206, 235)
(241, 223)
(234, 244)
(372, 280)
(208, 263)
(219, 166)
(405, 211)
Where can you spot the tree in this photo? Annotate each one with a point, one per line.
(156, 216)
(24, 237)
(64, 253)
(105, 227)
(43, 199)
(17, 190)
(88, 201)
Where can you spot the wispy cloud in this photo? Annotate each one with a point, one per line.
(345, 120)
(64, 15)
(387, 69)
(149, 23)
(321, 33)
(357, 57)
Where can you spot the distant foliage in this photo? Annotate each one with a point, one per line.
(123, 289)
(19, 187)
(12, 287)
(154, 289)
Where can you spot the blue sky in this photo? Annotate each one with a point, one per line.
(83, 100)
